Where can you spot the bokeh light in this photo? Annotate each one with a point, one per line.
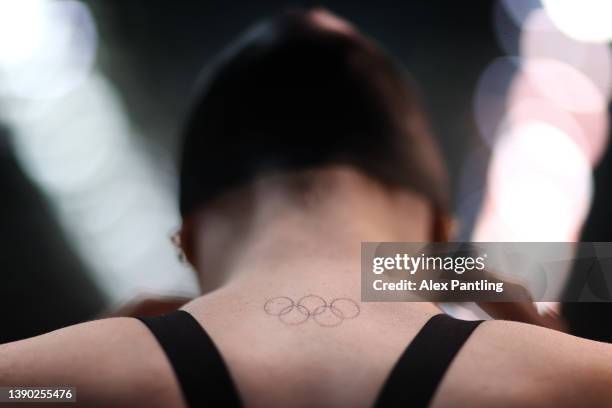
(490, 97)
(46, 47)
(541, 39)
(543, 110)
(74, 139)
(563, 85)
(539, 183)
(585, 20)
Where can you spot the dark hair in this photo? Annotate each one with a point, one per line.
(292, 95)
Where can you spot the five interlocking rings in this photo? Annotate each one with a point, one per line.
(323, 313)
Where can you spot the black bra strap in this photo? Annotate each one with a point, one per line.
(198, 365)
(417, 374)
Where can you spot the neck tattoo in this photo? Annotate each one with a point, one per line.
(312, 307)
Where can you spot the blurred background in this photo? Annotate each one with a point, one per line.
(93, 95)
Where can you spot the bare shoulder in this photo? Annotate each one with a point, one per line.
(112, 362)
(526, 365)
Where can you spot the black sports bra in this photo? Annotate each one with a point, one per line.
(206, 381)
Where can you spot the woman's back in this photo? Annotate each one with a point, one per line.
(275, 363)
(118, 362)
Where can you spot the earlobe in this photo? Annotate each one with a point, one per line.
(442, 226)
(183, 240)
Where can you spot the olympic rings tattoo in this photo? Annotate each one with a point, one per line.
(325, 314)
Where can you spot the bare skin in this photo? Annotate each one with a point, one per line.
(279, 239)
